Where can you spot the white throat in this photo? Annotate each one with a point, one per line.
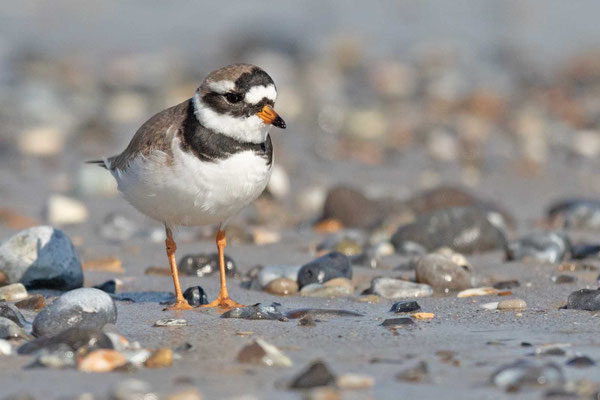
(250, 129)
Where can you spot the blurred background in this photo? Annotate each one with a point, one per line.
(498, 98)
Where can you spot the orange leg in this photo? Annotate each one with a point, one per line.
(223, 300)
(180, 303)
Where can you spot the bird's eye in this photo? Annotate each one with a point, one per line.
(233, 97)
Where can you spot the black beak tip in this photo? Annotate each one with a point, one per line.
(279, 122)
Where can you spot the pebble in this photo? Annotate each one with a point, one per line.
(322, 269)
(368, 298)
(351, 208)
(576, 214)
(397, 322)
(269, 273)
(5, 348)
(108, 286)
(11, 312)
(320, 312)
(405, 306)
(63, 210)
(582, 251)
(195, 296)
(490, 306)
(512, 304)
(138, 357)
(261, 352)
(522, 373)
(441, 272)
(170, 322)
(440, 198)
(83, 308)
(317, 374)
(205, 264)
(564, 279)
(417, 374)
(423, 315)
(10, 330)
(355, 382)
(330, 292)
(319, 393)
(57, 356)
(279, 184)
(92, 181)
(117, 228)
(132, 389)
(307, 320)
(581, 362)
(282, 287)
(256, 311)
(186, 394)
(41, 257)
(160, 358)
(584, 299)
(102, 360)
(105, 264)
(13, 292)
(503, 285)
(464, 229)
(34, 302)
(549, 247)
(349, 247)
(41, 141)
(391, 288)
(78, 339)
(480, 291)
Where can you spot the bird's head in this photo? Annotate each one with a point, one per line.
(237, 101)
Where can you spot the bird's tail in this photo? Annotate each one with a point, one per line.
(100, 163)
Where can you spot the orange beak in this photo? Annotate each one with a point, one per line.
(269, 116)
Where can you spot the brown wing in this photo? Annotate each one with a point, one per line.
(153, 135)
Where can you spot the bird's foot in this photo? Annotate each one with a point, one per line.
(180, 305)
(223, 302)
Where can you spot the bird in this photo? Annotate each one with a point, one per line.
(202, 161)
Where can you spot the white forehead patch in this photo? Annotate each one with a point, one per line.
(257, 93)
(221, 86)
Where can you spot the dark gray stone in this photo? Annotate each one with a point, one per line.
(397, 322)
(523, 373)
(256, 311)
(584, 299)
(195, 296)
(317, 374)
(581, 362)
(464, 229)
(11, 312)
(108, 286)
(58, 355)
(76, 338)
(581, 251)
(41, 257)
(549, 247)
(205, 264)
(10, 330)
(405, 307)
(83, 308)
(576, 214)
(322, 269)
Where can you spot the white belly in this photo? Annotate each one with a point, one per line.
(192, 192)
